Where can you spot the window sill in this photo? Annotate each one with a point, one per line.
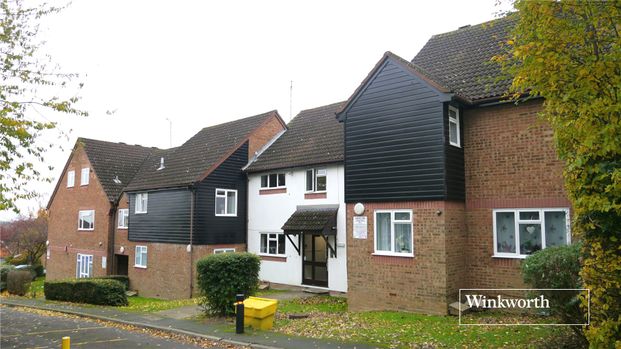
(273, 258)
(140, 267)
(121, 228)
(226, 215)
(318, 195)
(509, 256)
(86, 229)
(140, 212)
(455, 145)
(404, 255)
(269, 191)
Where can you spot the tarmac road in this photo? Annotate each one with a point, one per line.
(20, 329)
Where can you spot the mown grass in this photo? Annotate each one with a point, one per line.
(149, 305)
(329, 319)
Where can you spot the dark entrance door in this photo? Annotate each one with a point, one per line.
(315, 261)
(120, 264)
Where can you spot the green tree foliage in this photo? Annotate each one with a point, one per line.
(569, 52)
(29, 88)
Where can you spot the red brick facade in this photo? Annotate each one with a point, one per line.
(510, 162)
(66, 241)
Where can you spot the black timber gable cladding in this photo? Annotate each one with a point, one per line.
(396, 140)
(212, 229)
(169, 211)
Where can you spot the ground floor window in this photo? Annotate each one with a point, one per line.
(521, 232)
(273, 244)
(223, 250)
(141, 257)
(84, 266)
(393, 232)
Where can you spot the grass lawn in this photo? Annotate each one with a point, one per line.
(329, 319)
(149, 305)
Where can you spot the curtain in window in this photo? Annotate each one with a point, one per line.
(530, 237)
(230, 202)
(383, 231)
(505, 230)
(403, 238)
(556, 228)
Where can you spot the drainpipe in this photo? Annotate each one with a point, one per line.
(192, 198)
(111, 232)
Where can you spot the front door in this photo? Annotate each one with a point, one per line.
(121, 264)
(315, 261)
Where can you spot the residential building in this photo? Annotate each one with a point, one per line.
(296, 207)
(452, 186)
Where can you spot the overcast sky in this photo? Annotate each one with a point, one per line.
(200, 63)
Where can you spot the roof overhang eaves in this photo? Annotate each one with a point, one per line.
(252, 170)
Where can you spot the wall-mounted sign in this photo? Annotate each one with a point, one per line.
(104, 261)
(360, 227)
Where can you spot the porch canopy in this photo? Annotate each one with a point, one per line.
(317, 220)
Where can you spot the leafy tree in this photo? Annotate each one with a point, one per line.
(569, 52)
(29, 88)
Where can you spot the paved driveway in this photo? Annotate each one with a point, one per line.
(27, 330)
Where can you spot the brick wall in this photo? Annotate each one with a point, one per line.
(418, 284)
(510, 162)
(65, 239)
(264, 134)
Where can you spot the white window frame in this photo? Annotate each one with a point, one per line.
(392, 232)
(541, 221)
(71, 179)
(223, 250)
(226, 203)
(315, 174)
(85, 176)
(275, 238)
(278, 186)
(122, 217)
(139, 262)
(80, 215)
(142, 203)
(84, 270)
(454, 120)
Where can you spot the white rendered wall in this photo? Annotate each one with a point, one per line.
(268, 213)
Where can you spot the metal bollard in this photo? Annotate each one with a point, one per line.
(239, 320)
(66, 343)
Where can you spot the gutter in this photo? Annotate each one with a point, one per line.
(192, 199)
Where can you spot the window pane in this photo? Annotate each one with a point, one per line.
(273, 180)
(321, 183)
(452, 113)
(505, 230)
(231, 202)
(84, 178)
(453, 132)
(529, 215)
(281, 243)
(402, 216)
(383, 231)
(70, 178)
(309, 180)
(220, 192)
(144, 257)
(530, 238)
(264, 181)
(281, 179)
(272, 247)
(556, 228)
(220, 205)
(403, 238)
(263, 243)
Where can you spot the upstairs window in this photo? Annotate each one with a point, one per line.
(142, 201)
(86, 220)
(85, 176)
(454, 136)
(123, 218)
(273, 180)
(316, 180)
(226, 202)
(70, 179)
(519, 233)
(140, 260)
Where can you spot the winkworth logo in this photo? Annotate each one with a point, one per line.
(481, 301)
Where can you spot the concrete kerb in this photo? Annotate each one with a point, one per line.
(140, 324)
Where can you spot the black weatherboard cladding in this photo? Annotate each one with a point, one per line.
(167, 218)
(394, 139)
(212, 229)
(455, 171)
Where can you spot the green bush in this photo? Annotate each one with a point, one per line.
(4, 271)
(557, 268)
(18, 282)
(124, 279)
(38, 269)
(221, 276)
(91, 291)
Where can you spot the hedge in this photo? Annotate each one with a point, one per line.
(91, 291)
(221, 276)
(4, 272)
(18, 282)
(124, 279)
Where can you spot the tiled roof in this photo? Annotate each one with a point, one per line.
(314, 136)
(461, 60)
(114, 160)
(312, 220)
(189, 162)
